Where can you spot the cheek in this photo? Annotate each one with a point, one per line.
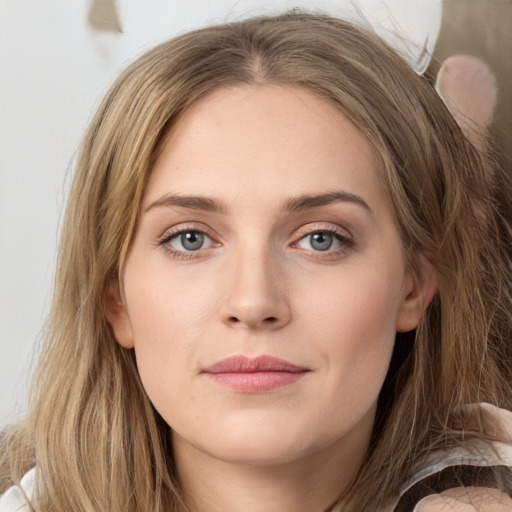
(354, 323)
(360, 308)
(167, 310)
(168, 319)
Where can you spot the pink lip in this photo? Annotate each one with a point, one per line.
(254, 375)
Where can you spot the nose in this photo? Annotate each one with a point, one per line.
(256, 297)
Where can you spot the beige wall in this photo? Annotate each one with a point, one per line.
(483, 28)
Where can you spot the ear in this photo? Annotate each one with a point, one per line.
(418, 293)
(117, 316)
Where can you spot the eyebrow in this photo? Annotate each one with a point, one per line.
(295, 204)
(192, 202)
(308, 202)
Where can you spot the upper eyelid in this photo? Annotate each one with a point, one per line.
(323, 227)
(184, 228)
(300, 232)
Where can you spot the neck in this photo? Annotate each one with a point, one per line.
(311, 483)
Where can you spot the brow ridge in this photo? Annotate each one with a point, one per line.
(307, 202)
(294, 204)
(192, 202)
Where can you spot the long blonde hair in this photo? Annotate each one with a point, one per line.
(91, 430)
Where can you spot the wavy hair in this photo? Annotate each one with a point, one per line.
(96, 439)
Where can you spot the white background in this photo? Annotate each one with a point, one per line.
(53, 71)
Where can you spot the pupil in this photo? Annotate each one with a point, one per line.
(321, 241)
(192, 241)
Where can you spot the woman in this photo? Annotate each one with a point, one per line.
(284, 277)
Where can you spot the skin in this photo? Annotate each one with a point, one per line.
(468, 88)
(469, 499)
(259, 286)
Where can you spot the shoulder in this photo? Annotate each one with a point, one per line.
(15, 498)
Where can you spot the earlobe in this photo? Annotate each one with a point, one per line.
(117, 316)
(418, 293)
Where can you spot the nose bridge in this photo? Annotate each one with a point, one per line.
(256, 296)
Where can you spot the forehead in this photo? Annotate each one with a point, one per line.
(266, 141)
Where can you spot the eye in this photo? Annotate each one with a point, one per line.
(329, 241)
(320, 241)
(187, 241)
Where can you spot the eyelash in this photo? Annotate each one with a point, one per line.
(176, 253)
(346, 243)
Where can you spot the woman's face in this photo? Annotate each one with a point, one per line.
(265, 282)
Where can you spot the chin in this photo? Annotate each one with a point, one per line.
(260, 452)
(257, 440)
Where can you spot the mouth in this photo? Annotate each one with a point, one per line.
(254, 375)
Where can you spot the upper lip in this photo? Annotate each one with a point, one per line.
(244, 364)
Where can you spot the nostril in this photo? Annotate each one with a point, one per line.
(268, 320)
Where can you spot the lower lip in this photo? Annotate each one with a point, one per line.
(256, 382)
